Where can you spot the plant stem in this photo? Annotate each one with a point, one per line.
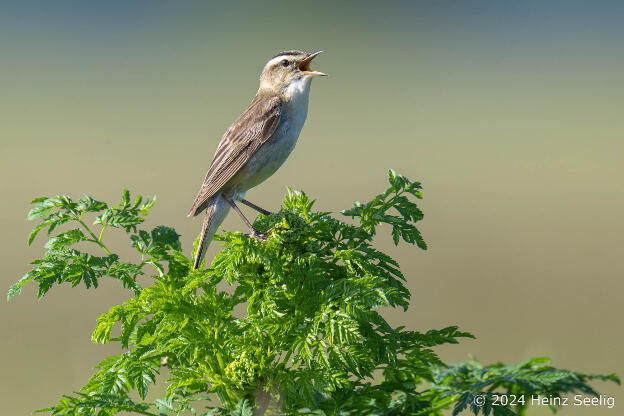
(96, 240)
(102, 232)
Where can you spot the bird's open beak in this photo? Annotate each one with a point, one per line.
(304, 66)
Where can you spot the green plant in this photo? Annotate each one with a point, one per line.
(311, 340)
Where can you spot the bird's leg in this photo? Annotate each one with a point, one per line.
(256, 207)
(254, 233)
(261, 211)
(239, 212)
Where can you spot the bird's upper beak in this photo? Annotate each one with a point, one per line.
(304, 66)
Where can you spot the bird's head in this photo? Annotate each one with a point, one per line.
(287, 68)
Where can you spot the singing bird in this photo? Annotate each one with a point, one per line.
(257, 143)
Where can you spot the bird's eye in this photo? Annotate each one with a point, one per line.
(285, 63)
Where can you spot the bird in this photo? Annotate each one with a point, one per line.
(255, 146)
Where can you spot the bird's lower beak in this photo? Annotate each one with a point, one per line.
(304, 66)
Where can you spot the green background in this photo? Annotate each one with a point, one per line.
(509, 112)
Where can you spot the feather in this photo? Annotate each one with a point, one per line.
(216, 211)
(252, 129)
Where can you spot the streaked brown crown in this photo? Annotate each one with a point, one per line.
(293, 53)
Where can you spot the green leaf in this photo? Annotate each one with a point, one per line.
(137, 202)
(65, 239)
(89, 204)
(42, 208)
(16, 288)
(243, 408)
(36, 230)
(302, 323)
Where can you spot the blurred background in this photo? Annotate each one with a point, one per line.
(510, 113)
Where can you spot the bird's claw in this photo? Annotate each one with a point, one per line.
(257, 235)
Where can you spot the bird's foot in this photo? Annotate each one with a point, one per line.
(257, 235)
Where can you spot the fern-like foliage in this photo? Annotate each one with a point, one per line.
(64, 263)
(294, 320)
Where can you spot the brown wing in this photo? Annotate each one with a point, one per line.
(254, 127)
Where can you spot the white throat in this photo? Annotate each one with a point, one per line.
(296, 94)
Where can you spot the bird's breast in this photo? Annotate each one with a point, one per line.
(271, 155)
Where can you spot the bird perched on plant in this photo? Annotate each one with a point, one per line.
(257, 143)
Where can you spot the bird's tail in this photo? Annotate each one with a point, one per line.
(216, 210)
